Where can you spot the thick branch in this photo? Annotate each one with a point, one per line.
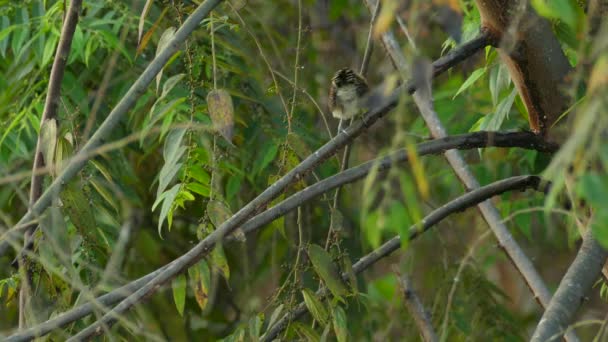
(459, 204)
(572, 290)
(465, 141)
(106, 128)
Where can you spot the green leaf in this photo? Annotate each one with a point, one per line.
(218, 212)
(469, 81)
(219, 261)
(269, 152)
(494, 122)
(327, 270)
(315, 306)
(167, 199)
(198, 188)
(170, 83)
(255, 327)
(306, 332)
(339, 322)
(276, 314)
(49, 49)
(178, 285)
(78, 207)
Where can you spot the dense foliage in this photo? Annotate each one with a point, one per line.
(242, 103)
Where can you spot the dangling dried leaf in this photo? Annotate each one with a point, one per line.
(221, 111)
(201, 282)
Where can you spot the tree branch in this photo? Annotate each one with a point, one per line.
(49, 115)
(489, 212)
(206, 245)
(459, 204)
(417, 310)
(573, 288)
(121, 109)
(465, 141)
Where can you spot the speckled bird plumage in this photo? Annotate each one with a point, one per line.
(345, 94)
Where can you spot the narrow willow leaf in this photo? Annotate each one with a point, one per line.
(162, 43)
(315, 306)
(276, 314)
(417, 169)
(255, 327)
(221, 112)
(469, 81)
(142, 20)
(308, 333)
(347, 267)
(167, 198)
(143, 42)
(339, 322)
(327, 270)
(219, 261)
(201, 282)
(178, 285)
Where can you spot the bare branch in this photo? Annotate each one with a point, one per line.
(465, 141)
(417, 310)
(572, 290)
(459, 204)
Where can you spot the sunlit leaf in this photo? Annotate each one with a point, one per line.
(167, 198)
(48, 138)
(385, 17)
(142, 21)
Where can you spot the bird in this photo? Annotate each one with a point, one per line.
(346, 94)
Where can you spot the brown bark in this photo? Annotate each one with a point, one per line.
(536, 62)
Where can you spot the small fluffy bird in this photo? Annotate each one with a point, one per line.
(346, 94)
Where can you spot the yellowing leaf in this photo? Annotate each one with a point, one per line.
(599, 75)
(221, 111)
(418, 170)
(386, 17)
(201, 282)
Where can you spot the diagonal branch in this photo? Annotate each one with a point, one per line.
(573, 288)
(459, 204)
(465, 141)
(126, 103)
(205, 246)
(489, 212)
